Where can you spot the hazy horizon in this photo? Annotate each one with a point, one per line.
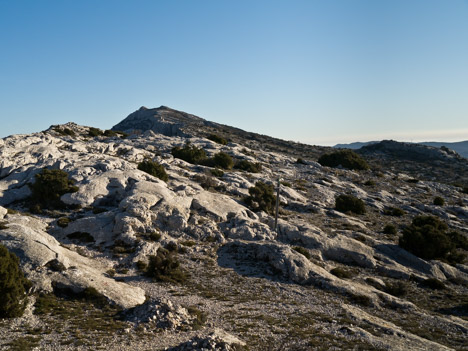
(317, 72)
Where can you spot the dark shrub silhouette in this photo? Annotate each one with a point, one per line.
(221, 160)
(189, 153)
(217, 139)
(13, 285)
(165, 267)
(153, 168)
(261, 197)
(49, 186)
(346, 158)
(248, 166)
(349, 203)
(427, 238)
(390, 229)
(439, 201)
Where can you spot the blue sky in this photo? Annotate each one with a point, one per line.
(320, 72)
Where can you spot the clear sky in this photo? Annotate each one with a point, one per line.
(320, 72)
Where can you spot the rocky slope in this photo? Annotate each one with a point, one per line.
(323, 280)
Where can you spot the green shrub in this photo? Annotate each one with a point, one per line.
(342, 273)
(13, 285)
(427, 238)
(433, 283)
(141, 265)
(369, 182)
(164, 267)
(222, 160)
(398, 289)
(65, 131)
(303, 251)
(217, 172)
(189, 153)
(153, 168)
(217, 139)
(248, 166)
(63, 222)
(344, 158)
(94, 132)
(349, 203)
(261, 198)
(394, 211)
(439, 201)
(82, 237)
(49, 186)
(390, 229)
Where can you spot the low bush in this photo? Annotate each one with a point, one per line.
(398, 289)
(349, 203)
(342, 273)
(220, 160)
(94, 132)
(369, 182)
(439, 201)
(217, 172)
(261, 198)
(49, 186)
(189, 153)
(427, 237)
(164, 267)
(13, 285)
(433, 283)
(344, 158)
(63, 222)
(217, 139)
(390, 229)
(153, 168)
(303, 251)
(394, 211)
(248, 166)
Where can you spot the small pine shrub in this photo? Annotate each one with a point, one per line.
(189, 153)
(303, 251)
(349, 203)
(434, 284)
(164, 267)
(394, 211)
(217, 172)
(49, 186)
(82, 237)
(13, 285)
(223, 160)
(369, 182)
(141, 265)
(217, 139)
(342, 273)
(248, 166)
(94, 132)
(398, 289)
(427, 238)
(262, 197)
(63, 222)
(344, 158)
(390, 229)
(153, 168)
(439, 201)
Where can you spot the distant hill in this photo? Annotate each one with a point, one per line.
(461, 147)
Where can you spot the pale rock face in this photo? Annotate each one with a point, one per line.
(3, 212)
(26, 237)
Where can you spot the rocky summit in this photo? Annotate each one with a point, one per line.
(160, 234)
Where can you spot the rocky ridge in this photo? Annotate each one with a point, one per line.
(249, 279)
